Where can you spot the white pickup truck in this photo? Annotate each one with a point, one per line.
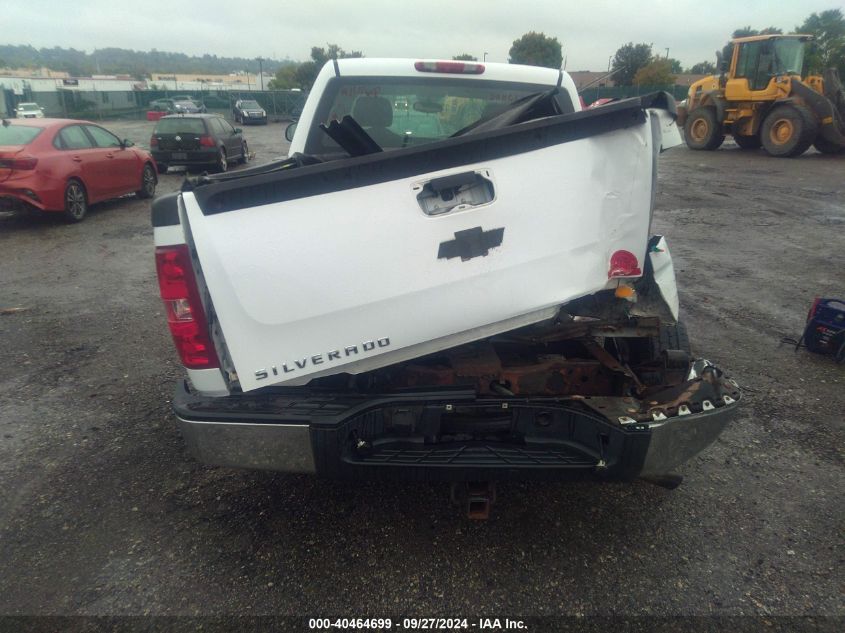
(452, 277)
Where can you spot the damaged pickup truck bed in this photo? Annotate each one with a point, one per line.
(452, 277)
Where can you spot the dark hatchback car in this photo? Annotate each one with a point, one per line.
(249, 111)
(206, 140)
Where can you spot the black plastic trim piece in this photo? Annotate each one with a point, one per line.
(579, 433)
(336, 67)
(165, 210)
(351, 137)
(452, 181)
(350, 173)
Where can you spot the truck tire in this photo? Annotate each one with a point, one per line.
(826, 147)
(788, 130)
(702, 130)
(747, 142)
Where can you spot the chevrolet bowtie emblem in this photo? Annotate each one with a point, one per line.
(471, 243)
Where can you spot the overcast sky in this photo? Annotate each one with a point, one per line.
(589, 30)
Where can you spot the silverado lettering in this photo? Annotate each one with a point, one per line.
(318, 359)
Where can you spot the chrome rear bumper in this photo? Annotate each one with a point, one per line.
(321, 435)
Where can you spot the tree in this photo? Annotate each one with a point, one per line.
(306, 72)
(285, 78)
(657, 73)
(702, 68)
(675, 66)
(305, 75)
(628, 60)
(827, 50)
(465, 57)
(536, 49)
(322, 55)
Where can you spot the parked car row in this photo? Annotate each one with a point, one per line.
(64, 166)
(177, 105)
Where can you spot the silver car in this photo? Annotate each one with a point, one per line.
(29, 111)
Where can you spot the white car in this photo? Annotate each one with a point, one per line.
(29, 111)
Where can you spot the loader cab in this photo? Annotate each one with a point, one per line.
(759, 62)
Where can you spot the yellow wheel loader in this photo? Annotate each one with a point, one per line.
(761, 100)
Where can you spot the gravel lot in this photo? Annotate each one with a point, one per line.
(102, 511)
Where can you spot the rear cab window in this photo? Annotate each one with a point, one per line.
(18, 134)
(402, 111)
(180, 125)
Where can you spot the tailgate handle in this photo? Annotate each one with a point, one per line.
(77, 158)
(455, 192)
(450, 183)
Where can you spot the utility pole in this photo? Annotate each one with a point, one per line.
(485, 57)
(667, 52)
(261, 71)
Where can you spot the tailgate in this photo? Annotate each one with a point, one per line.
(360, 263)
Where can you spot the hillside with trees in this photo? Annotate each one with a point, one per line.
(121, 61)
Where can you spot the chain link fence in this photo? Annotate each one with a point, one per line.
(279, 104)
(134, 104)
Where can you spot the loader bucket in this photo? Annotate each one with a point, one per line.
(831, 120)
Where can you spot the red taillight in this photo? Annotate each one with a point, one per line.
(25, 162)
(153, 141)
(624, 264)
(206, 141)
(460, 68)
(185, 314)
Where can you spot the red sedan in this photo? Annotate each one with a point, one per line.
(64, 165)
